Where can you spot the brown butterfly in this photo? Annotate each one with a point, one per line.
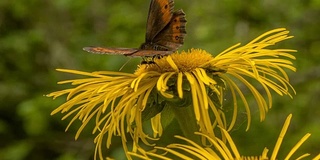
(165, 32)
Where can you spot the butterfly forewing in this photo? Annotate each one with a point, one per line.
(160, 14)
(102, 50)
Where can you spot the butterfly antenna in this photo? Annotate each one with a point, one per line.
(125, 63)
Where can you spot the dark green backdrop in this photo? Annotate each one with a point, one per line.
(37, 36)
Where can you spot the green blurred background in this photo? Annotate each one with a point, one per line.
(38, 36)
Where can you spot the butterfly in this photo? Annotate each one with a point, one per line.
(165, 33)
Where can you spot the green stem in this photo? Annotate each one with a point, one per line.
(187, 121)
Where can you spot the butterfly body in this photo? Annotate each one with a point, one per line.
(165, 33)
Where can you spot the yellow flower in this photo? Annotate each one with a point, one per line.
(189, 86)
(220, 149)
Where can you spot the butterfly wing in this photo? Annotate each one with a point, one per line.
(160, 14)
(172, 36)
(165, 32)
(150, 53)
(102, 50)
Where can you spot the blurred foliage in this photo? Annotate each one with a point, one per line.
(38, 36)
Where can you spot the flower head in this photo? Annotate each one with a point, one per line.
(193, 83)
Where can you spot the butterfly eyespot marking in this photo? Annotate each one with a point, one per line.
(177, 37)
(177, 27)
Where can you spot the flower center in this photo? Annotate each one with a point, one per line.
(177, 62)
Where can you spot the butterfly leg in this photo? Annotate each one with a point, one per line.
(157, 57)
(148, 60)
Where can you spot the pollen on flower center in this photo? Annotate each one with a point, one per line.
(183, 62)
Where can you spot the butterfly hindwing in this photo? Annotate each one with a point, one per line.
(150, 53)
(172, 36)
